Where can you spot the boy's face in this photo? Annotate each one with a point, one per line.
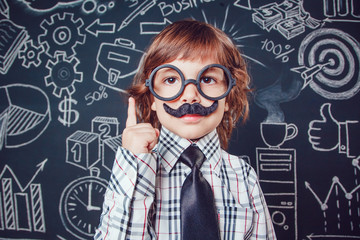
(190, 126)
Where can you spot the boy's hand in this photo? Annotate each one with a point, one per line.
(138, 138)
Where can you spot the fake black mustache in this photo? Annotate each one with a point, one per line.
(187, 108)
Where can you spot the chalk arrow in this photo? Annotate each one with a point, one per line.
(242, 4)
(323, 205)
(96, 27)
(310, 236)
(153, 27)
(307, 73)
(335, 237)
(341, 20)
(40, 167)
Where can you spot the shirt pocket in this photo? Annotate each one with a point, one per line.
(236, 222)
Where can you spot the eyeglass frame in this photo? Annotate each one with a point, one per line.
(196, 82)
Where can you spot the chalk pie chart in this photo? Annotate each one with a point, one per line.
(24, 114)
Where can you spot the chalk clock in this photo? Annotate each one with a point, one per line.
(80, 205)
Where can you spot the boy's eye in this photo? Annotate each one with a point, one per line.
(171, 80)
(207, 80)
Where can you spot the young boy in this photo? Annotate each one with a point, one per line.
(189, 92)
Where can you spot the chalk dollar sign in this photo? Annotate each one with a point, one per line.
(70, 116)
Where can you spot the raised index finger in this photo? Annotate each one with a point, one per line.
(131, 119)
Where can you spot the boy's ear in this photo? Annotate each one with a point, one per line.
(226, 106)
(153, 106)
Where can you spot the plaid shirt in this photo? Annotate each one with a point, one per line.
(142, 200)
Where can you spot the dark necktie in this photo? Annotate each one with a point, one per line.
(198, 212)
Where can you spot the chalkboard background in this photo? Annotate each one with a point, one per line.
(64, 65)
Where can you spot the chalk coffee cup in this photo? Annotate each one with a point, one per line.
(275, 134)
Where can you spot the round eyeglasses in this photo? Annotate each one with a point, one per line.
(167, 82)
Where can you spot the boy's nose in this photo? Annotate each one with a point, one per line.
(190, 94)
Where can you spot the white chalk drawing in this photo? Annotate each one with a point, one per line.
(113, 60)
(341, 10)
(12, 39)
(133, 3)
(275, 134)
(80, 204)
(82, 149)
(233, 32)
(332, 237)
(345, 209)
(81, 200)
(96, 27)
(62, 77)
(168, 8)
(23, 122)
(356, 163)
(153, 27)
(3, 127)
(245, 4)
(109, 149)
(89, 6)
(328, 134)
(308, 73)
(16, 206)
(4, 8)
(91, 97)
(276, 169)
(106, 127)
(140, 10)
(47, 6)
(103, 7)
(60, 237)
(61, 34)
(69, 115)
(280, 51)
(31, 54)
(289, 18)
(320, 140)
(63, 74)
(329, 61)
(335, 184)
(85, 149)
(98, 7)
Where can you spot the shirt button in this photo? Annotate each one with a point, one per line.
(343, 147)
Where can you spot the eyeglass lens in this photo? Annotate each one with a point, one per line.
(167, 82)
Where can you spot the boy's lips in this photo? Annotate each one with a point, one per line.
(191, 117)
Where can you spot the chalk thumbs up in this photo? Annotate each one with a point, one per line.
(324, 133)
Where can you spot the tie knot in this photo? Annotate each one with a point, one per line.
(192, 156)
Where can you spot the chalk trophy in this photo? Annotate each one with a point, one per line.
(275, 134)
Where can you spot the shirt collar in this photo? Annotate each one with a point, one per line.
(171, 146)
